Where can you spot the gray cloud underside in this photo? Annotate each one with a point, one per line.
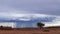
(31, 6)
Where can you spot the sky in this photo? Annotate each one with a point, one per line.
(51, 7)
(21, 9)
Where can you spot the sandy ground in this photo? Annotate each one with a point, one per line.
(31, 31)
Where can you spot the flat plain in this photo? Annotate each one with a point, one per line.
(31, 31)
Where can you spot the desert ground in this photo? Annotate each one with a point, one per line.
(31, 31)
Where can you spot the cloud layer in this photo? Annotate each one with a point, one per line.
(30, 10)
(51, 7)
(29, 20)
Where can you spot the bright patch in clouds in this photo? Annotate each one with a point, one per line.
(55, 22)
(25, 19)
(52, 24)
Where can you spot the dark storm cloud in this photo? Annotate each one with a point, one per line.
(31, 6)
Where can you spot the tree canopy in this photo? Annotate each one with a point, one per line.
(40, 25)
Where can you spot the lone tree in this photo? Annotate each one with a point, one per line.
(40, 25)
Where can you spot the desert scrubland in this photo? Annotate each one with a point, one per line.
(31, 31)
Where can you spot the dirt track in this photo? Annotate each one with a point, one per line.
(31, 31)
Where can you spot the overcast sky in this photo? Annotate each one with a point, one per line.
(51, 7)
(30, 8)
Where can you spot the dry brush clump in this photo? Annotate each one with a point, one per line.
(5, 28)
(46, 30)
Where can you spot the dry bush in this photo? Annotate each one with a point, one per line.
(5, 28)
(46, 30)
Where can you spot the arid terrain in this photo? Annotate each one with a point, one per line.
(31, 31)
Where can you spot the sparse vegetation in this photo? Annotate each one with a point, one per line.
(46, 30)
(5, 28)
(40, 25)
